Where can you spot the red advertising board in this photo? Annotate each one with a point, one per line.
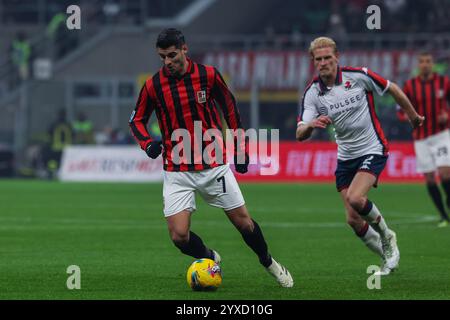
(316, 162)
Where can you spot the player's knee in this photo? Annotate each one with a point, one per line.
(180, 239)
(241, 220)
(356, 201)
(245, 225)
(430, 178)
(444, 175)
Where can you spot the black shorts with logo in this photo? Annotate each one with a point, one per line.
(346, 170)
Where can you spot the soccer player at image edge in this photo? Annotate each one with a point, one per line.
(429, 93)
(343, 96)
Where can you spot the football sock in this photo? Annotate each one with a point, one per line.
(435, 195)
(371, 239)
(372, 215)
(446, 186)
(255, 240)
(195, 247)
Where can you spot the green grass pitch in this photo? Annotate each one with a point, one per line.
(117, 235)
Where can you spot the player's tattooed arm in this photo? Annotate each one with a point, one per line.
(400, 97)
(305, 129)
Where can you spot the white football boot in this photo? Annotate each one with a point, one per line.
(281, 274)
(391, 254)
(217, 259)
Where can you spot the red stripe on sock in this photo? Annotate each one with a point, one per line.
(363, 231)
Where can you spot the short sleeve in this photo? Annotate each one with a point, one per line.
(308, 107)
(372, 81)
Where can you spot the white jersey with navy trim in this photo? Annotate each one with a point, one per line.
(350, 105)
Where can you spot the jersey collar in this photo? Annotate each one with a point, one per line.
(338, 81)
(190, 69)
(431, 79)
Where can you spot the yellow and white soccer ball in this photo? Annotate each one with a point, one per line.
(204, 275)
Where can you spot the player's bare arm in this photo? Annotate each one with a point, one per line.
(443, 117)
(304, 130)
(400, 97)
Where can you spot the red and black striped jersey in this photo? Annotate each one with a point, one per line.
(190, 103)
(430, 99)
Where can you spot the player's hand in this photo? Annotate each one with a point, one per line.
(241, 167)
(417, 121)
(321, 122)
(443, 117)
(154, 149)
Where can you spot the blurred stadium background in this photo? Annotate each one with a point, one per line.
(91, 77)
(74, 90)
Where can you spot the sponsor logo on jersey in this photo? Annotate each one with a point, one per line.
(347, 85)
(323, 111)
(201, 96)
(346, 102)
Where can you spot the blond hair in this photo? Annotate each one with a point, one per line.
(322, 42)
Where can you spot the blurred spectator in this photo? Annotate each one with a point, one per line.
(439, 15)
(340, 16)
(60, 135)
(55, 31)
(119, 137)
(354, 15)
(20, 52)
(103, 137)
(34, 163)
(296, 36)
(83, 130)
(395, 6)
(317, 15)
(337, 28)
(111, 11)
(313, 16)
(109, 136)
(62, 39)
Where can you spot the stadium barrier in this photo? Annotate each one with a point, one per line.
(108, 164)
(296, 162)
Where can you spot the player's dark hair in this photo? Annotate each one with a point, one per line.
(170, 37)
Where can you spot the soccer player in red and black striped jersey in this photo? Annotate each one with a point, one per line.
(185, 96)
(429, 93)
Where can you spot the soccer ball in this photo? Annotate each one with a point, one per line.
(204, 275)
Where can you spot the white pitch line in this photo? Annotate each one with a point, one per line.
(330, 210)
(130, 225)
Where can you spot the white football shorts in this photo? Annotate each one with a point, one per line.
(217, 186)
(433, 152)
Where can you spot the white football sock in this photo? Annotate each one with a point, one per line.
(376, 221)
(372, 240)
